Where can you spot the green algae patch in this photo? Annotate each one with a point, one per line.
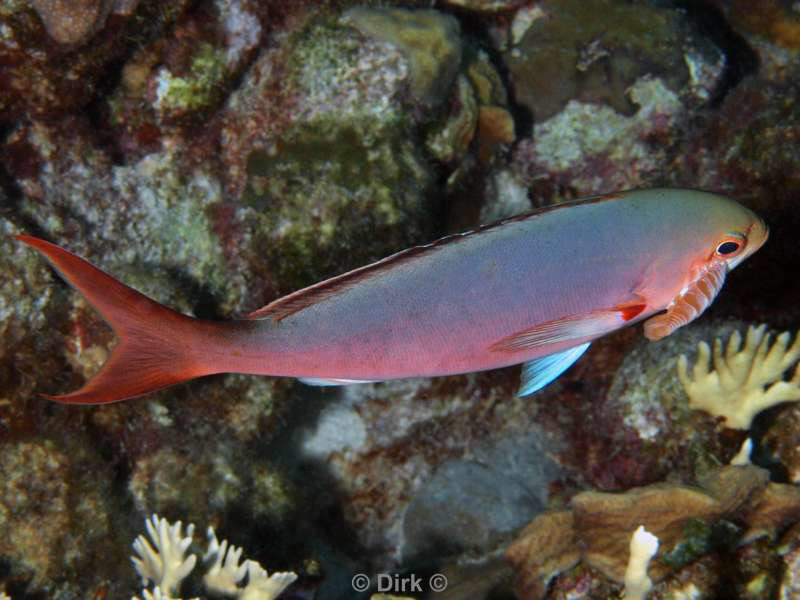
(199, 87)
(352, 158)
(696, 542)
(337, 192)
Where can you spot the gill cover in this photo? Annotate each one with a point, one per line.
(692, 300)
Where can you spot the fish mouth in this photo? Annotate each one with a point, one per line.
(757, 235)
(762, 231)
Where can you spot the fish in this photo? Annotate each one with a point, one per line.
(534, 289)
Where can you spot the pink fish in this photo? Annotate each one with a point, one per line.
(533, 289)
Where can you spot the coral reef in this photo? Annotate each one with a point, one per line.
(736, 388)
(216, 154)
(776, 21)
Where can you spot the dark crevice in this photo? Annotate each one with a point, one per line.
(97, 111)
(474, 28)
(10, 192)
(205, 305)
(11, 196)
(740, 59)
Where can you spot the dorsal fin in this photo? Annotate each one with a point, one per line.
(296, 301)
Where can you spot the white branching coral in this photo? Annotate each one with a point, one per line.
(156, 594)
(226, 574)
(262, 586)
(644, 546)
(165, 565)
(736, 388)
(742, 457)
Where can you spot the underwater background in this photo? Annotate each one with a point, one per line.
(218, 154)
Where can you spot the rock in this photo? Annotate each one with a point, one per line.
(654, 411)
(790, 549)
(782, 441)
(26, 307)
(169, 481)
(385, 447)
(776, 21)
(176, 81)
(353, 206)
(451, 142)
(585, 144)
(430, 41)
(43, 533)
(570, 55)
(471, 503)
(72, 22)
(756, 167)
(485, 5)
(42, 79)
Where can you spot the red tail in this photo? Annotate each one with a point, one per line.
(156, 346)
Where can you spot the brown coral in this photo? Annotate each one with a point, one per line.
(598, 528)
(547, 546)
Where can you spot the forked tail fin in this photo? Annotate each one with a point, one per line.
(156, 346)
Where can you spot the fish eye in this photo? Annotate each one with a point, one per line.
(726, 248)
(730, 245)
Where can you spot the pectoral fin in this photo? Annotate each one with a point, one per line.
(577, 327)
(539, 372)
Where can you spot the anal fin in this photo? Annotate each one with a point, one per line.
(538, 372)
(324, 381)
